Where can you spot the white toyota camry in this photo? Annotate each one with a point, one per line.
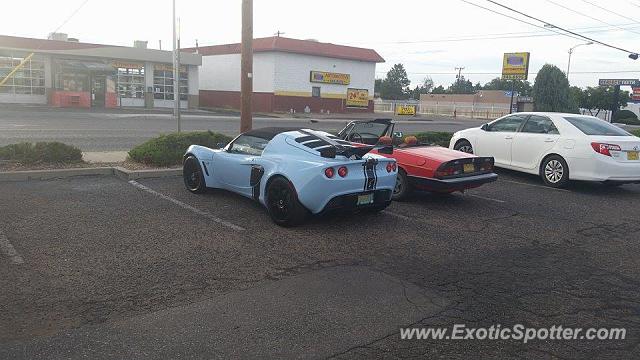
(559, 147)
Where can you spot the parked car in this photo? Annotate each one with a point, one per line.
(293, 172)
(558, 147)
(422, 166)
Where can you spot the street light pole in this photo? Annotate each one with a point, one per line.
(246, 66)
(176, 72)
(571, 52)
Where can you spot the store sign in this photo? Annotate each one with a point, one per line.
(405, 110)
(619, 82)
(126, 65)
(636, 94)
(330, 78)
(168, 67)
(358, 98)
(515, 66)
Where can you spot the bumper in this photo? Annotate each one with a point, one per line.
(604, 168)
(348, 202)
(454, 184)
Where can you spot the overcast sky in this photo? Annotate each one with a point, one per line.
(426, 36)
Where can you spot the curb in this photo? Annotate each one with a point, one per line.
(117, 171)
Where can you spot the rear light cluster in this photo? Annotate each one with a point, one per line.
(330, 172)
(605, 149)
(391, 166)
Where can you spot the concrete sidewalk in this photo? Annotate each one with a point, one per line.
(105, 156)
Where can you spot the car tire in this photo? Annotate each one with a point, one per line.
(193, 176)
(282, 203)
(554, 171)
(402, 188)
(463, 146)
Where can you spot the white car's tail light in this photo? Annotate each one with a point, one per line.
(605, 149)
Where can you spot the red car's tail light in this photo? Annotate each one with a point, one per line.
(329, 172)
(605, 149)
(342, 171)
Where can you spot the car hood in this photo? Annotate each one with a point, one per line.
(434, 152)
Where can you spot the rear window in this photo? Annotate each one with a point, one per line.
(594, 126)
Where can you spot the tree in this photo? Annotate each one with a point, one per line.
(577, 99)
(395, 85)
(425, 88)
(551, 90)
(439, 90)
(523, 87)
(461, 86)
(377, 87)
(601, 98)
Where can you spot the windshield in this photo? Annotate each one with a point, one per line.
(594, 126)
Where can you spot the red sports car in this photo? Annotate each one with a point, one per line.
(422, 166)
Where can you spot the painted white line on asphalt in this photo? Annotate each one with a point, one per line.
(487, 198)
(391, 213)
(186, 206)
(538, 186)
(8, 249)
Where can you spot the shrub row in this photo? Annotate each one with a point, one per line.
(41, 152)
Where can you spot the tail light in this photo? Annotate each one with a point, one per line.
(342, 171)
(329, 172)
(391, 166)
(604, 149)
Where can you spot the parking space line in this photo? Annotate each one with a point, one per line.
(9, 250)
(486, 198)
(391, 213)
(187, 207)
(538, 186)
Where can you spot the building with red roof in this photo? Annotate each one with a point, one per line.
(291, 75)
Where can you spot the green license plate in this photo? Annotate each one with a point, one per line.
(365, 199)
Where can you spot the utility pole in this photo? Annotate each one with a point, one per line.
(459, 74)
(246, 66)
(176, 72)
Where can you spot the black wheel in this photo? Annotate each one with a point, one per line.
(464, 146)
(403, 188)
(193, 176)
(282, 203)
(554, 171)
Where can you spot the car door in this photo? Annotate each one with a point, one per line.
(538, 135)
(497, 138)
(233, 166)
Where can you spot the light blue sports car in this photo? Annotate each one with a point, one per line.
(294, 172)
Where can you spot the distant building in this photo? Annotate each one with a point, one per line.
(64, 72)
(494, 103)
(291, 74)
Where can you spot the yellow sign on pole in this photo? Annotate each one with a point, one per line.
(515, 66)
(405, 109)
(358, 98)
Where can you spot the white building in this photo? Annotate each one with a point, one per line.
(291, 74)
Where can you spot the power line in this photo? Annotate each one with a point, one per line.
(499, 73)
(558, 27)
(609, 11)
(589, 16)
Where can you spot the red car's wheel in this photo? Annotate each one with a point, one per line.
(403, 188)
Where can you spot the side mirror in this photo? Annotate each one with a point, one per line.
(485, 127)
(397, 134)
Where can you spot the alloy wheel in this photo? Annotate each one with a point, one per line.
(554, 171)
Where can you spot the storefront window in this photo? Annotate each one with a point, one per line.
(69, 81)
(163, 83)
(131, 81)
(29, 79)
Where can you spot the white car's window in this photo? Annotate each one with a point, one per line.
(539, 125)
(509, 124)
(248, 145)
(594, 126)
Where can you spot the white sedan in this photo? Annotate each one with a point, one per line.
(558, 147)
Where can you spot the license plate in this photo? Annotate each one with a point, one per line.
(365, 199)
(469, 168)
(632, 155)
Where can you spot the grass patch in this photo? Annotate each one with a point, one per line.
(41, 152)
(434, 137)
(636, 132)
(168, 150)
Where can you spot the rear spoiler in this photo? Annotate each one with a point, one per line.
(334, 148)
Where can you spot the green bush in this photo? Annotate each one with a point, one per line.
(167, 150)
(41, 152)
(434, 137)
(625, 117)
(636, 132)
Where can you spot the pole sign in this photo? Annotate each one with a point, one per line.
(357, 98)
(515, 66)
(406, 110)
(636, 94)
(619, 82)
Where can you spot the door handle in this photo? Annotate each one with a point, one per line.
(549, 140)
(508, 137)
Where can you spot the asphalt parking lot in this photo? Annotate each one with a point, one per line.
(99, 267)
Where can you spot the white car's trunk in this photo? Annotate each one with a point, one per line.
(629, 145)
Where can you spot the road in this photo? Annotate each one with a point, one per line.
(104, 268)
(121, 131)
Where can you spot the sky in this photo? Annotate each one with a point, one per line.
(430, 37)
